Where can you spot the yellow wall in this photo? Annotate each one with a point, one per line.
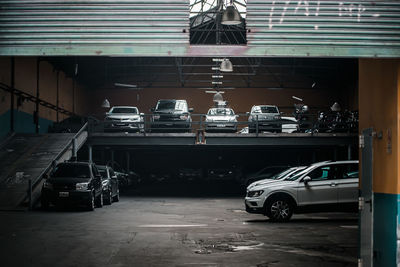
(379, 103)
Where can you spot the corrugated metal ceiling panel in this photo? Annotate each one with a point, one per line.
(372, 26)
(52, 23)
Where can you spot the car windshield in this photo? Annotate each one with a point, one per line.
(124, 110)
(297, 175)
(72, 170)
(170, 104)
(281, 174)
(220, 111)
(265, 109)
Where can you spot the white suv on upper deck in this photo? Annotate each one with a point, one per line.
(323, 186)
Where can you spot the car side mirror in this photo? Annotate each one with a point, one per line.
(237, 116)
(306, 180)
(247, 113)
(152, 109)
(191, 109)
(141, 114)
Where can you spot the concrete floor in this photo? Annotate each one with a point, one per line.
(175, 231)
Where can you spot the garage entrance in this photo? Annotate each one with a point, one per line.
(58, 57)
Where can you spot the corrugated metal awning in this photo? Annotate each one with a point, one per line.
(161, 28)
(324, 28)
(80, 27)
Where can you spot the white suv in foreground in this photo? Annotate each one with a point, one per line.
(323, 186)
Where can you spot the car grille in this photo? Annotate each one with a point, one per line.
(60, 187)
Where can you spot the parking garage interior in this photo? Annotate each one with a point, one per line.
(49, 91)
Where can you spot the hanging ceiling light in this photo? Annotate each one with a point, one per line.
(218, 97)
(231, 16)
(226, 65)
(106, 103)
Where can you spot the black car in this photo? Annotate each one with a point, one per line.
(171, 115)
(110, 184)
(77, 183)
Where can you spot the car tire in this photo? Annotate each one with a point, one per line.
(116, 197)
(109, 199)
(91, 204)
(279, 209)
(99, 201)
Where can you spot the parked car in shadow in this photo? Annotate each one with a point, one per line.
(73, 183)
(221, 119)
(123, 118)
(171, 115)
(263, 173)
(110, 184)
(69, 125)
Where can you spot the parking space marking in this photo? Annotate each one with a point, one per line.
(171, 225)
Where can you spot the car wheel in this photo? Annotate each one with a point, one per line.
(108, 199)
(116, 197)
(279, 209)
(99, 201)
(91, 204)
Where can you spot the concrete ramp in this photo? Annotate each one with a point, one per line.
(26, 157)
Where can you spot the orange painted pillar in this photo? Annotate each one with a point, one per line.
(379, 104)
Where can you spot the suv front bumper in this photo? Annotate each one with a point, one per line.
(254, 205)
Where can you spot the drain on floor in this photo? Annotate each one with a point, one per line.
(208, 247)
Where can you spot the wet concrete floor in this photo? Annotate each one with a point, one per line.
(175, 231)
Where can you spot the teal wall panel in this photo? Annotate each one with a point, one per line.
(4, 123)
(386, 208)
(23, 123)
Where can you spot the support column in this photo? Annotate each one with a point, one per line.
(36, 113)
(112, 158)
(90, 154)
(12, 94)
(349, 152)
(379, 105)
(128, 160)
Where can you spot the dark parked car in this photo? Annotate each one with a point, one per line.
(110, 184)
(264, 173)
(76, 183)
(171, 115)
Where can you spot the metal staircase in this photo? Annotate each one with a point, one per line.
(25, 158)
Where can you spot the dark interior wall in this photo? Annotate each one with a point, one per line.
(26, 81)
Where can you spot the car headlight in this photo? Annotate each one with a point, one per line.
(233, 119)
(183, 117)
(47, 185)
(277, 117)
(255, 193)
(82, 186)
(209, 119)
(156, 117)
(108, 119)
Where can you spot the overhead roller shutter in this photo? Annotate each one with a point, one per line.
(125, 27)
(324, 28)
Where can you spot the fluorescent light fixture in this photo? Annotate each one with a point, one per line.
(297, 98)
(125, 85)
(217, 59)
(214, 92)
(217, 76)
(215, 68)
(216, 82)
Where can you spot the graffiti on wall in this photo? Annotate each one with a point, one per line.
(281, 10)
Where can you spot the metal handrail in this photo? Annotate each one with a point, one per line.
(32, 183)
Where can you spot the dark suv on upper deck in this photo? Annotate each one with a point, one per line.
(77, 183)
(171, 115)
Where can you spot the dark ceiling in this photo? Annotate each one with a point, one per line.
(170, 72)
